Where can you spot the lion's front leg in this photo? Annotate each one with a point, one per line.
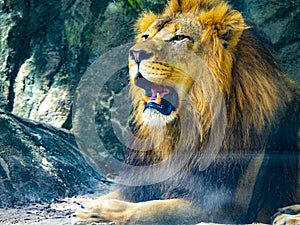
(109, 210)
(89, 212)
(172, 211)
(287, 216)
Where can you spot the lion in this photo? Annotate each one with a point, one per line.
(215, 122)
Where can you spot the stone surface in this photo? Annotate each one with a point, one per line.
(39, 162)
(46, 48)
(278, 23)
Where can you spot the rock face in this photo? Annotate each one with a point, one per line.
(278, 22)
(39, 163)
(45, 49)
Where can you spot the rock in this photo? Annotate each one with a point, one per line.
(101, 110)
(278, 22)
(289, 56)
(8, 22)
(39, 162)
(46, 48)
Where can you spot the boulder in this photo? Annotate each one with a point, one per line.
(39, 162)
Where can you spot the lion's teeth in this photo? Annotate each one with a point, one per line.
(146, 98)
(158, 98)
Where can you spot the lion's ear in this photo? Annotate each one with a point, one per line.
(223, 23)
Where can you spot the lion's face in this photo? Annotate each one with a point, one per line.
(161, 65)
(172, 53)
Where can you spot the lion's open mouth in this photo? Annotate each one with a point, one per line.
(162, 98)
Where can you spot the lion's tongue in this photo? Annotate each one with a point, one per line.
(158, 99)
(158, 92)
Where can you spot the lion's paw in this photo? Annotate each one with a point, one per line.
(287, 216)
(104, 212)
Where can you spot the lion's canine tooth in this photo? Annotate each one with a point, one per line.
(158, 98)
(146, 98)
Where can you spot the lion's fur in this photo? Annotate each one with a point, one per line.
(261, 102)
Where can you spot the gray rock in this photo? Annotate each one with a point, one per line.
(46, 49)
(39, 162)
(7, 24)
(289, 56)
(278, 22)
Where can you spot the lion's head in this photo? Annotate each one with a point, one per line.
(196, 57)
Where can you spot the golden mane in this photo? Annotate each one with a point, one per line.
(245, 70)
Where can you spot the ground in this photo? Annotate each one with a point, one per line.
(42, 214)
(57, 213)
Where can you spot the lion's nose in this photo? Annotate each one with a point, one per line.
(139, 55)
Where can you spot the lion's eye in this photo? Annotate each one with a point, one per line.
(180, 37)
(145, 37)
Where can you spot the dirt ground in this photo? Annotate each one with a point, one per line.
(57, 213)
